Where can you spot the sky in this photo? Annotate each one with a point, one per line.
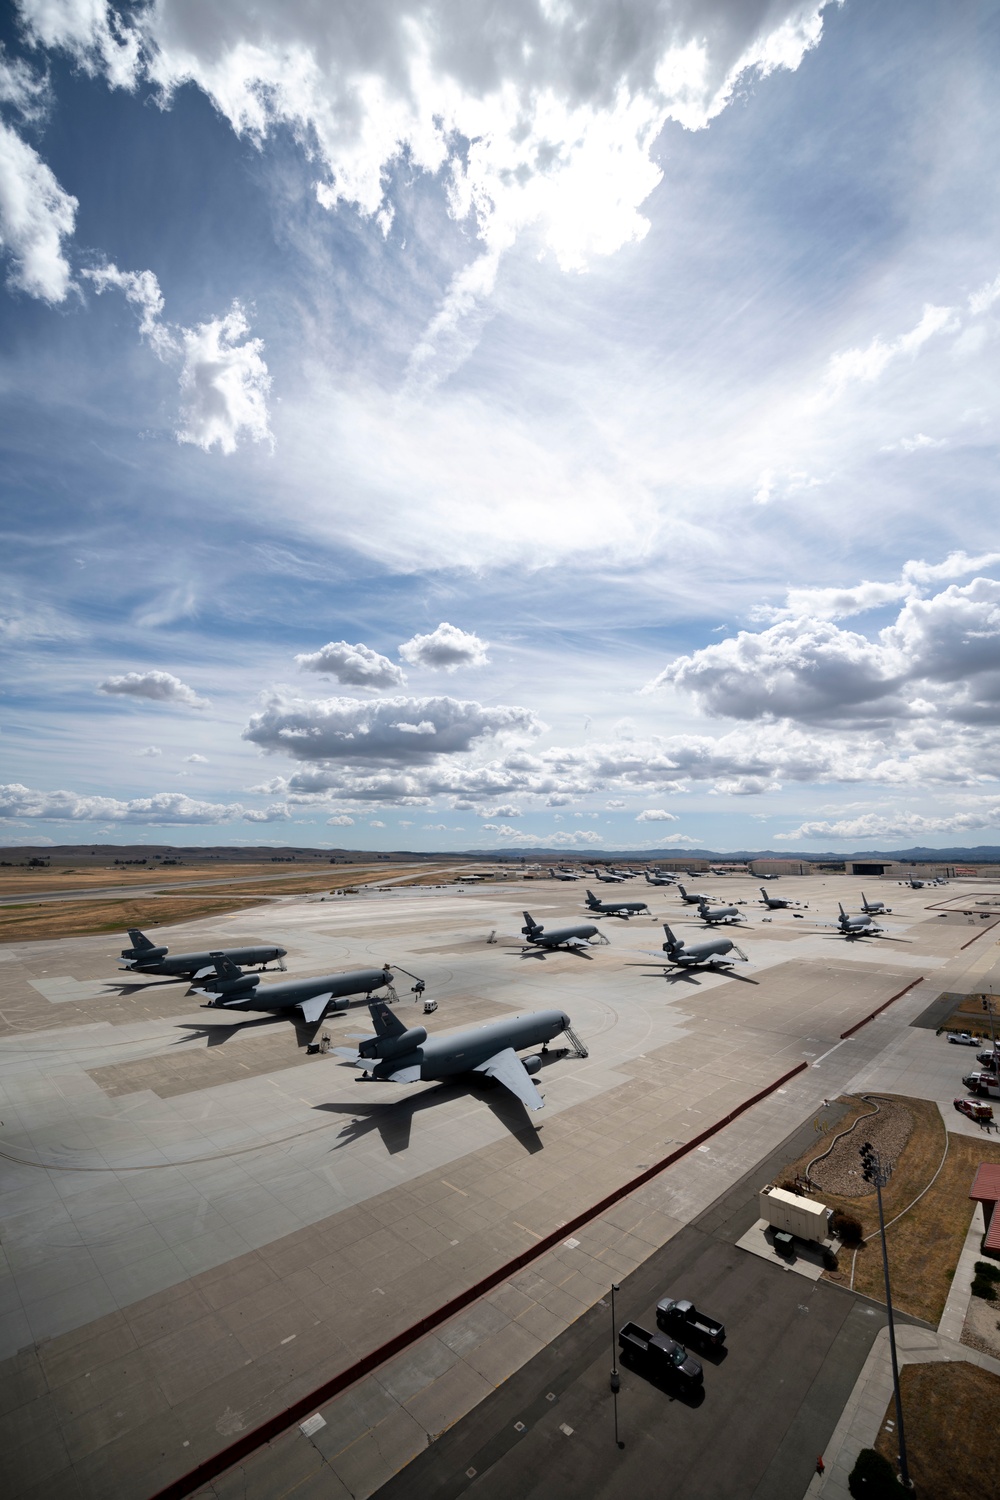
(492, 425)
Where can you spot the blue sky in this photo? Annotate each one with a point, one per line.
(604, 417)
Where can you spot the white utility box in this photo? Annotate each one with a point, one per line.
(803, 1217)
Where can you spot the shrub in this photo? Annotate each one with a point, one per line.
(988, 1272)
(848, 1229)
(873, 1476)
(983, 1288)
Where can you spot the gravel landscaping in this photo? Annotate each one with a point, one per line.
(888, 1132)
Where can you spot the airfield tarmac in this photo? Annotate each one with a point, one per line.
(203, 1224)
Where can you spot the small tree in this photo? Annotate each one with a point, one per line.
(848, 1229)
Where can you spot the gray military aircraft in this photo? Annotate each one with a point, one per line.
(561, 875)
(145, 958)
(693, 898)
(712, 954)
(559, 937)
(856, 926)
(874, 908)
(658, 878)
(607, 878)
(915, 885)
(230, 989)
(715, 914)
(624, 909)
(397, 1054)
(779, 903)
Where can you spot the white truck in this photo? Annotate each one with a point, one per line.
(787, 1213)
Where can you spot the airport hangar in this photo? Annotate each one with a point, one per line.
(205, 1228)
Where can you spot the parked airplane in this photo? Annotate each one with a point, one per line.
(714, 914)
(915, 885)
(778, 903)
(624, 909)
(659, 879)
(145, 958)
(856, 926)
(561, 875)
(231, 989)
(693, 898)
(559, 937)
(711, 954)
(608, 878)
(874, 908)
(397, 1054)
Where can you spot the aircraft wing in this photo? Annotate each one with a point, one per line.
(313, 1009)
(205, 969)
(507, 1068)
(406, 1075)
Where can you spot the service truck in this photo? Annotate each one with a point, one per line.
(789, 1214)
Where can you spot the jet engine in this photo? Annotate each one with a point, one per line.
(532, 1064)
(147, 955)
(393, 1046)
(230, 989)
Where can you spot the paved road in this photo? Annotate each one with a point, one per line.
(164, 887)
(796, 1348)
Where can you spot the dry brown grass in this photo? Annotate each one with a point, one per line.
(952, 1433)
(314, 875)
(925, 1244)
(59, 919)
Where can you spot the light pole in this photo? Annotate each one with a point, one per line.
(875, 1171)
(615, 1377)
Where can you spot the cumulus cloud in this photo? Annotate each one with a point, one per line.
(839, 603)
(657, 815)
(158, 687)
(941, 657)
(17, 801)
(405, 730)
(197, 760)
(150, 750)
(354, 666)
(542, 119)
(37, 216)
(340, 820)
(504, 831)
(223, 378)
(504, 810)
(896, 824)
(445, 649)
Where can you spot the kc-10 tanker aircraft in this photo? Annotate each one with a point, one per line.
(559, 937)
(693, 898)
(659, 878)
(145, 958)
(561, 875)
(874, 908)
(714, 914)
(778, 903)
(711, 954)
(231, 989)
(624, 909)
(856, 926)
(397, 1054)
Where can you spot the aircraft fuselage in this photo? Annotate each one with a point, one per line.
(188, 965)
(442, 1057)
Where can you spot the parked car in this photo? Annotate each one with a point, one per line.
(663, 1358)
(988, 1058)
(963, 1038)
(974, 1108)
(680, 1316)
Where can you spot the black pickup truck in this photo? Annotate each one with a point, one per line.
(680, 1316)
(662, 1357)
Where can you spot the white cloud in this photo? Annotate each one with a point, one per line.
(838, 603)
(982, 300)
(36, 216)
(150, 750)
(895, 825)
(159, 687)
(504, 810)
(541, 120)
(340, 820)
(17, 801)
(198, 760)
(504, 831)
(278, 812)
(407, 730)
(445, 649)
(864, 366)
(919, 443)
(436, 827)
(657, 815)
(224, 380)
(22, 88)
(355, 666)
(224, 384)
(376, 824)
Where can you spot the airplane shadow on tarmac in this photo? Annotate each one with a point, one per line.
(686, 976)
(394, 1120)
(217, 1033)
(544, 953)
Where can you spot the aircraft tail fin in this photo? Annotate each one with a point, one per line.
(387, 1023)
(592, 899)
(681, 889)
(530, 925)
(672, 944)
(842, 911)
(224, 967)
(139, 940)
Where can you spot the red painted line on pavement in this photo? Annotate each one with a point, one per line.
(212, 1467)
(884, 1006)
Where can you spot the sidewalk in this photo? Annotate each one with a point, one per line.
(862, 1416)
